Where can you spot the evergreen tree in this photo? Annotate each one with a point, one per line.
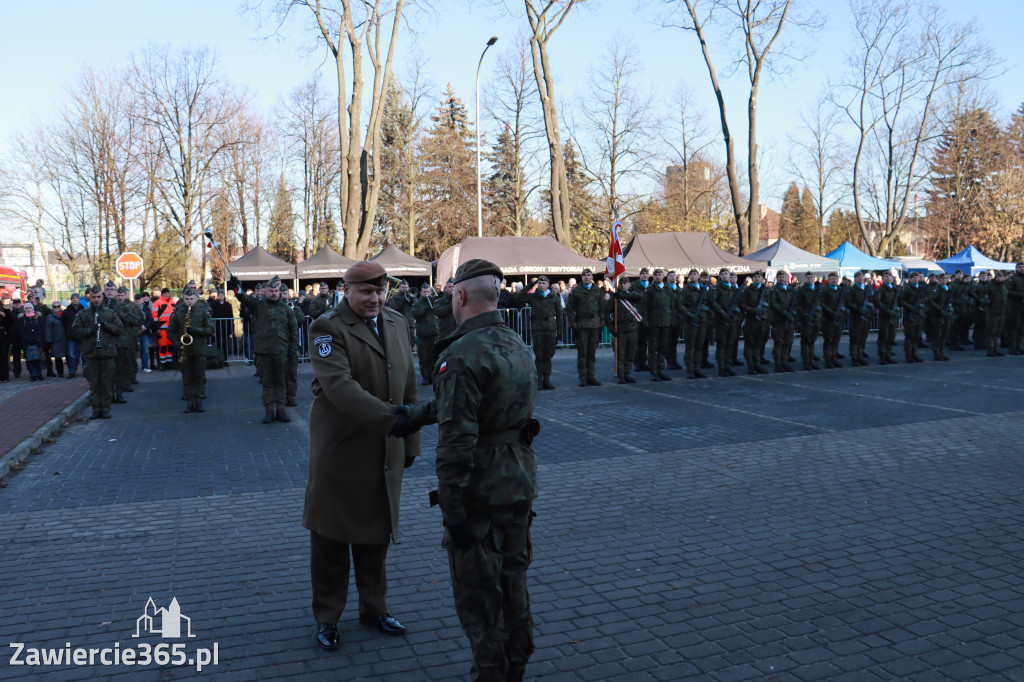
(281, 234)
(590, 229)
(505, 194)
(842, 227)
(791, 214)
(448, 179)
(397, 182)
(810, 229)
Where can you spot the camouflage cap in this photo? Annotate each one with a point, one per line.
(283, 287)
(122, 290)
(543, 278)
(274, 282)
(188, 291)
(367, 272)
(94, 289)
(110, 285)
(476, 267)
(324, 285)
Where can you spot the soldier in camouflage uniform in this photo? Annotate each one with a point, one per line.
(833, 308)
(693, 306)
(861, 308)
(659, 311)
(640, 361)
(98, 328)
(443, 310)
(674, 283)
(625, 329)
(912, 299)
(546, 322)
(961, 311)
(116, 298)
(782, 302)
(994, 301)
(275, 334)
(402, 301)
(808, 307)
(426, 331)
(191, 318)
(291, 384)
(320, 300)
(724, 302)
(1015, 311)
(754, 304)
(583, 308)
(888, 314)
(940, 316)
(485, 386)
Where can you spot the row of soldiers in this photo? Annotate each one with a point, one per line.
(651, 317)
(430, 316)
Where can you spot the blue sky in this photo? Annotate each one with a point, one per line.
(44, 44)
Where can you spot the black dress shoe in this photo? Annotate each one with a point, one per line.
(385, 622)
(291, 403)
(630, 379)
(583, 383)
(327, 636)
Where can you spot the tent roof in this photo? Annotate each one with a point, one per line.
(852, 259)
(400, 264)
(783, 255)
(261, 264)
(912, 264)
(681, 251)
(972, 261)
(324, 263)
(516, 256)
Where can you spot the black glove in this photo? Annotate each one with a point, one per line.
(613, 332)
(190, 330)
(403, 426)
(460, 535)
(234, 284)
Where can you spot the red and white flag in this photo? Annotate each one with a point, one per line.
(614, 265)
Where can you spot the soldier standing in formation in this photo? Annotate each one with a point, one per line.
(191, 319)
(994, 300)
(725, 305)
(426, 331)
(782, 301)
(583, 309)
(485, 388)
(627, 307)
(275, 333)
(640, 363)
(659, 309)
(808, 308)
(693, 306)
(98, 328)
(939, 317)
(912, 299)
(546, 323)
(833, 308)
(754, 304)
(1015, 321)
(860, 304)
(888, 316)
(674, 282)
(291, 386)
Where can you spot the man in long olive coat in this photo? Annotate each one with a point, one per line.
(355, 467)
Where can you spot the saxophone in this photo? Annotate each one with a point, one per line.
(186, 338)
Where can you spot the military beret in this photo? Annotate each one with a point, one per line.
(367, 272)
(623, 280)
(543, 278)
(588, 271)
(476, 267)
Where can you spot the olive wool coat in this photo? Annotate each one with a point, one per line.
(355, 468)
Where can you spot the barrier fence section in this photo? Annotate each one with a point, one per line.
(232, 335)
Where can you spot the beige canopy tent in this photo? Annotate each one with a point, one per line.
(325, 263)
(517, 257)
(681, 251)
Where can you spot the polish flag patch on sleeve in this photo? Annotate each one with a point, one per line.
(443, 367)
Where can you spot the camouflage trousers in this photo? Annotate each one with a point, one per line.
(544, 343)
(193, 373)
(99, 372)
(586, 348)
(123, 370)
(273, 370)
(625, 351)
(425, 349)
(491, 599)
(291, 382)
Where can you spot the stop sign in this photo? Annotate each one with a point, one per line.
(129, 265)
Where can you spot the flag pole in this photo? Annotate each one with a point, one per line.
(615, 303)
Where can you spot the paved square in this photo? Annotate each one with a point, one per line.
(848, 524)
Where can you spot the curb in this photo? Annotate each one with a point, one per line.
(20, 452)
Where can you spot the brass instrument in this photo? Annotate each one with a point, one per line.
(98, 343)
(186, 338)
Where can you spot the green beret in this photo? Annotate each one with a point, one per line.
(476, 268)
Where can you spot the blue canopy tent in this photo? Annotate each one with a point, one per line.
(972, 261)
(851, 260)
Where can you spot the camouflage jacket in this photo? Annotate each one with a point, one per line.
(318, 305)
(860, 302)
(913, 301)
(754, 303)
(445, 319)
(808, 303)
(200, 321)
(627, 323)
(403, 304)
(426, 320)
(274, 330)
(583, 306)
(941, 303)
(720, 300)
(659, 305)
(1015, 291)
(833, 304)
(485, 386)
(546, 312)
(780, 302)
(885, 300)
(994, 297)
(84, 329)
(692, 305)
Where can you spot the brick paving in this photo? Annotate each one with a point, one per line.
(25, 406)
(861, 524)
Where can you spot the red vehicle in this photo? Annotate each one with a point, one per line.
(14, 282)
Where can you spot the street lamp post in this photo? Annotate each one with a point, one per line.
(479, 193)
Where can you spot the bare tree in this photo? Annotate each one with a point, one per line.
(760, 23)
(617, 120)
(189, 112)
(364, 29)
(907, 60)
(687, 178)
(545, 17)
(247, 157)
(818, 158)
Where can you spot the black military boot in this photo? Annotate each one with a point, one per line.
(190, 407)
(197, 406)
(128, 389)
(105, 415)
(664, 377)
(291, 403)
(119, 399)
(282, 416)
(96, 413)
(630, 379)
(269, 416)
(546, 383)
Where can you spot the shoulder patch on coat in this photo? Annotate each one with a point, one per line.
(331, 312)
(443, 368)
(323, 345)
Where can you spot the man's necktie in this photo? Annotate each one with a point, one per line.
(372, 324)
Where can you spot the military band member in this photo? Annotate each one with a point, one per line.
(402, 302)
(912, 299)
(275, 333)
(126, 343)
(659, 311)
(583, 309)
(754, 304)
(426, 331)
(546, 323)
(888, 318)
(625, 328)
(808, 308)
(443, 310)
(98, 328)
(189, 318)
(694, 308)
(833, 309)
(782, 302)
